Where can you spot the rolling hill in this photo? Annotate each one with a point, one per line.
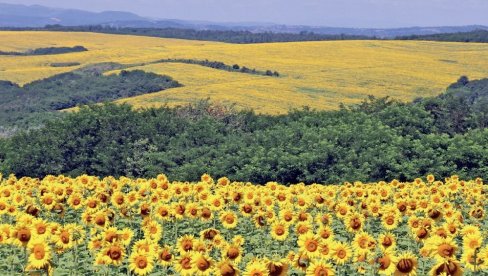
(317, 74)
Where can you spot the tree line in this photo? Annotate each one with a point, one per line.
(379, 139)
(34, 103)
(46, 51)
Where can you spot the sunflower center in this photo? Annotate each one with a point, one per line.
(445, 250)
(449, 268)
(203, 264)
(227, 270)
(341, 253)
(247, 208)
(288, 217)
(187, 245)
(24, 235)
(229, 219)
(275, 270)
(41, 229)
(390, 220)
(39, 252)
(100, 220)
(312, 246)
(434, 214)
(206, 213)
(256, 273)
(141, 262)
(387, 241)
(233, 253)
(115, 253)
(186, 263)
(119, 200)
(279, 230)
(384, 262)
(165, 256)
(321, 271)
(64, 237)
(302, 229)
(405, 265)
(422, 233)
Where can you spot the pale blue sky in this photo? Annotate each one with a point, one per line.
(337, 13)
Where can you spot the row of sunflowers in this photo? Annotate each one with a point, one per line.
(92, 226)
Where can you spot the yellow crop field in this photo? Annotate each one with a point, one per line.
(317, 74)
(106, 226)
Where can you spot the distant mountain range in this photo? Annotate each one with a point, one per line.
(18, 16)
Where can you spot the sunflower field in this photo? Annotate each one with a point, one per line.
(92, 226)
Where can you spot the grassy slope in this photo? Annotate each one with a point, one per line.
(317, 74)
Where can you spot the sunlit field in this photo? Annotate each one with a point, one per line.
(316, 74)
(92, 226)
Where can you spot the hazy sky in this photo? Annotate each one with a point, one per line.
(343, 13)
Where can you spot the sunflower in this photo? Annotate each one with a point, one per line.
(256, 268)
(302, 228)
(299, 261)
(3, 206)
(163, 212)
(153, 231)
(386, 262)
(475, 262)
(39, 228)
(92, 203)
(406, 264)
(472, 242)
(279, 231)
(309, 244)
(320, 268)
(40, 253)
(185, 243)
(444, 248)
(277, 268)
(183, 265)
(192, 210)
(246, 209)
(228, 219)
(287, 216)
(323, 219)
(125, 235)
(145, 246)
(390, 221)
(209, 234)
(325, 233)
(447, 267)
(100, 219)
(21, 235)
(340, 252)
(259, 220)
(232, 252)
(118, 200)
(63, 239)
(342, 209)
(115, 253)
(165, 256)
(48, 200)
(76, 201)
(202, 263)
(215, 203)
(363, 243)
(387, 241)
(140, 263)
(226, 268)
(132, 198)
(206, 214)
